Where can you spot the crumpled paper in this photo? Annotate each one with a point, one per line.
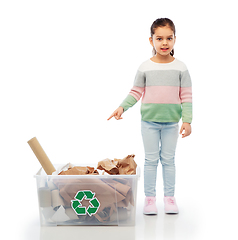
(79, 171)
(123, 166)
(109, 166)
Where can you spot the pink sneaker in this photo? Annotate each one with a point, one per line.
(150, 205)
(170, 205)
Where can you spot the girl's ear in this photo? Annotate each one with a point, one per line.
(151, 41)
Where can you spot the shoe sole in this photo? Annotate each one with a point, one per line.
(150, 213)
(171, 212)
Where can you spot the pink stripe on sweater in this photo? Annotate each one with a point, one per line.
(186, 94)
(161, 94)
(136, 92)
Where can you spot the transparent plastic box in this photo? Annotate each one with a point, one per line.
(87, 199)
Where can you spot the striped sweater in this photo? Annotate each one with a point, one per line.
(166, 92)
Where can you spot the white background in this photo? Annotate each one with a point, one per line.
(64, 68)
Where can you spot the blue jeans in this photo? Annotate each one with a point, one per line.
(160, 140)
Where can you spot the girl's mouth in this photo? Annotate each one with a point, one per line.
(164, 49)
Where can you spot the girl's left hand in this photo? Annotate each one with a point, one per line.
(185, 130)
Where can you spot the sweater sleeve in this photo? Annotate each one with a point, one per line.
(128, 102)
(136, 92)
(186, 96)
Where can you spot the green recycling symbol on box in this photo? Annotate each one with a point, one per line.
(87, 195)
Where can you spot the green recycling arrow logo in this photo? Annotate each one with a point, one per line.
(87, 195)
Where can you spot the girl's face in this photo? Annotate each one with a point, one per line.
(163, 40)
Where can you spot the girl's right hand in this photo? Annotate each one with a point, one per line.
(117, 113)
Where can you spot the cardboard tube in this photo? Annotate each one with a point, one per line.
(44, 197)
(57, 200)
(41, 156)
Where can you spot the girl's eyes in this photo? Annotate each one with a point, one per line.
(160, 39)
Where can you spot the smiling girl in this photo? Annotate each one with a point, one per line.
(164, 84)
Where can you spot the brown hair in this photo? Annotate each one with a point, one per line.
(162, 22)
